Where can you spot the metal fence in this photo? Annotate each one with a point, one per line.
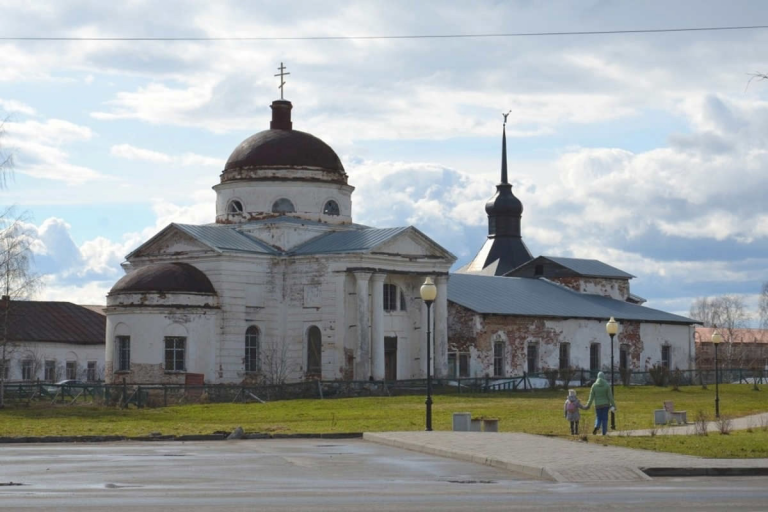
(163, 395)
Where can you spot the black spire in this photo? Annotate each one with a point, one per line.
(504, 249)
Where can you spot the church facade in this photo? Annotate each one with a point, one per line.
(283, 286)
(510, 313)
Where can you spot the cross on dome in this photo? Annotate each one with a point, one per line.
(281, 74)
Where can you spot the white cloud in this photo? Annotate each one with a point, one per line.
(187, 159)
(13, 106)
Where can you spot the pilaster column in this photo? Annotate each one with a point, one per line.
(441, 327)
(377, 325)
(363, 356)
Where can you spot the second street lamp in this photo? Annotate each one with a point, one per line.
(717, 339)
(612, 327)
(428, 293)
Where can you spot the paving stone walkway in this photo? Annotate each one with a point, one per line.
(560, 460)
(756, 421)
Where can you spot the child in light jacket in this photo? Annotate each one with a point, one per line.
(571, 410)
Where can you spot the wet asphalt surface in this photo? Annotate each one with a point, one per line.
(318, 475)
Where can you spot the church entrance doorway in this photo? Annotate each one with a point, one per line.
(390, 357)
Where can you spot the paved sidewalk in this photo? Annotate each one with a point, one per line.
(560, 460)
(756, 421)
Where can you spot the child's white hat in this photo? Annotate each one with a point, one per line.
(571, 392)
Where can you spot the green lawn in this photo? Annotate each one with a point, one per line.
(538, 412)
(741, 444)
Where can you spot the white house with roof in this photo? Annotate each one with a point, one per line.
(510, 313)
(283, 286)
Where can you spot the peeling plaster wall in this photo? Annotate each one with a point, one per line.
(257, 198)
(472, 332)
(40, 352)
(147, 328)
(615, 288)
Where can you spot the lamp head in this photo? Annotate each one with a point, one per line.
(612, 327)
(717, 338)
(428, 291)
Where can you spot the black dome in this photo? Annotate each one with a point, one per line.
(284, 148)
(504, 202)
(165, 277)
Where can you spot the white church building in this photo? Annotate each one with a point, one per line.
(283, 286)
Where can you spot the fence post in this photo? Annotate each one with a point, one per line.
(123, 403)
(138, 399)
(165, 395)
(525, 381)
(459, 385)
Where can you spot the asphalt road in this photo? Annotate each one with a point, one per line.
(318, 475)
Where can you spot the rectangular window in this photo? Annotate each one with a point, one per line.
(623, 356)
(594, 357)
(26, 369)
(174, 353)
(565, 356)
(71, 370)
(498, 358)
(5, 369)
(665, 351)
(464, 365)
(50, 371)
(390, 297)
(402, 301)
(458, 365)
(90, 375)
(123, 350)
(533, 357)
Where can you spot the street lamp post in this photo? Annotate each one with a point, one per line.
(428, 293)
(612, 327)
(717, 338)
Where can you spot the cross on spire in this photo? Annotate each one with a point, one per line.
(281, 74)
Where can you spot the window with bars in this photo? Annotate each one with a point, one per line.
(123, 350)
(533, 357)
(252, 349)
(314, 352)
(665, 356)
(390, 297)
(565, 356)
(90, 373)
(26, 369)
(50, 371)
(623, 356)
(71, 370)
(594, 357)
(498, 358)
(175, 352)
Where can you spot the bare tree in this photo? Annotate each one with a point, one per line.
(17, 281)
(6, 156)
(728, 312)
(274, 363)
(762, 307)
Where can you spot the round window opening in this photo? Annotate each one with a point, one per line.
(283, 205)
(235, 206)
(331, 208)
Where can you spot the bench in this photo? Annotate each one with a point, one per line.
(668, 415)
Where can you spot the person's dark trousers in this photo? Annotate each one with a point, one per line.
(574, 427)
(601, 420)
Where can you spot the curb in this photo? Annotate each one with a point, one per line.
(188, 437)
(533, 471)
(687, 472)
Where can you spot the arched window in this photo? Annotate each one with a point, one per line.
(252, 349)
(314, 353)
(331, 208)
(498, 358)
(235, 206)
(283, 205)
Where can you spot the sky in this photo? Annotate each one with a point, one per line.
(646, 151)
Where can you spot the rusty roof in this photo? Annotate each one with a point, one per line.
(704, 335)
(56, 322)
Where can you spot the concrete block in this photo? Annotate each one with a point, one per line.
(461, 421)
